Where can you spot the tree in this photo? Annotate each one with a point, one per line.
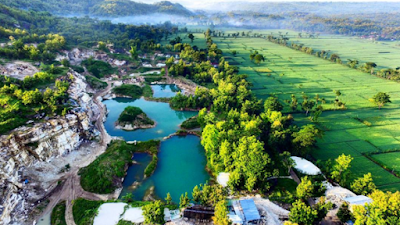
(102, 46)
(305, 189)
(65, 63)
(258, 58)
(341, 169)
(344, 213)
(128, 197)
(221, 213)
(307, 105)
(272, 104)
(293, 103)
(305, 138)
(352, 63)
(287, 161)
(363, 185)
(191, 37)
(196, 194)
(322, 208)
(134, 53)
(380, 99)
(168, 198)
(369, 67)
(302, 214)
(184, 201)
(384, 209)
(153, 213)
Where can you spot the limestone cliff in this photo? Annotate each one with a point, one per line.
(42, 141)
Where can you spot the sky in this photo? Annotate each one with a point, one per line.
(203, 4)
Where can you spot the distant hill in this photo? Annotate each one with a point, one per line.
(102, 8)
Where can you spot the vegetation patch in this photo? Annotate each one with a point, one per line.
(95, 82)
(98, 68)
(263, 70)
(58, 214)
(104, 174)
(130, 90)
(84, 211)
(151, 167)
(190, 123)
(135, 117)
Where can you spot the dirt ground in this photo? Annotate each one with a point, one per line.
(18, 69)
(44, 172)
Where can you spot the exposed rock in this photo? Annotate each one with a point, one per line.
(25, 146)
(76, 55)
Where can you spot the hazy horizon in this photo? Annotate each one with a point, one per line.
(204, 4)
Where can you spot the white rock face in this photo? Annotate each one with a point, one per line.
(55, 137)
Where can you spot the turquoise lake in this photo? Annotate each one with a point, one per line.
(181, 166)
(167, 120)
(165, 90)
(181, 160)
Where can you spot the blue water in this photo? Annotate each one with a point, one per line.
(165, 90)
(181, 166)
(167, 120)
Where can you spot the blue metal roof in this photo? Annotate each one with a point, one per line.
(249, 210)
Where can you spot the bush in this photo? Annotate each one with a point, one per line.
(130, 90)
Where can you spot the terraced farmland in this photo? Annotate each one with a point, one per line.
(360, 130)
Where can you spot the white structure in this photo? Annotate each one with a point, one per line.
(358, 200)
(305, 166)
(223, 179)
(109, 214)
(147, 65)
(161, 65)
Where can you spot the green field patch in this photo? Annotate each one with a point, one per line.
(362, 165)
(362, 146)
(390, 187)
(390, 160)
(331, 151)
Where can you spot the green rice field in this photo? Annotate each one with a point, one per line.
(359, 130)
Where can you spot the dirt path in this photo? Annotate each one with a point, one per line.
(71, 188)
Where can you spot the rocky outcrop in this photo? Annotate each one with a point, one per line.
(27, 145)
(76, 56)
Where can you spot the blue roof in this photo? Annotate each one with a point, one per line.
(249, 210)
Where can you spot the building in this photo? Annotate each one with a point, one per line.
(244, 212)
(199, 213)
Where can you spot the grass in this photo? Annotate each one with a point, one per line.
(362, 128)
(58, 214)
(84, 211)
(130, 90)
(104, 174)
